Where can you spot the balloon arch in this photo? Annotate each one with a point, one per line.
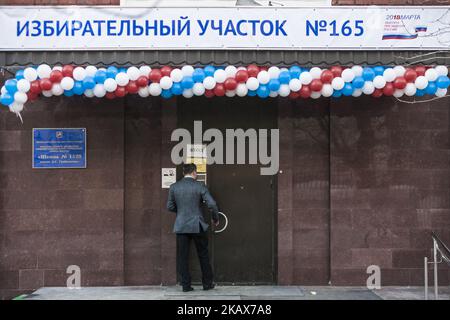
(293, 82)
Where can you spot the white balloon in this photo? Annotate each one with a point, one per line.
(252, 83)
(305, 78)
(440, 92)
(220, 76)
(166, 82)
(315, 72)
(398, 93)
(368, 88)
(421, 82)
(3, 90)
(47, 93)
(187, 71)
(441, 70)
(315, 94)
(198, 89)
(209, 83)
(44, 71)
(231, 71)
(348, 75)
(20, 97)
(241, 90)
(263, 77)
(110, 85)
(389, 74)
(143, 92)
(79, 73)
(295, 85)
(154, 89)
(327, 90)
(176, 75)
(122, 79)
(23, 85)
(431, 74)
(57, 90)
(241, 68)
(58, 68)
(144, 70)
(337, 83)
(399, 71)
(90, 71)
(67, 83)
(89, 93)
(273, 94)
(16, 107)
(188, 93)
(379, 82)
(133, 73)
(99, 90)
(357, 70)
(284, 90)
(230, 93)
(410, 89)
(274, 72)
(30, 74)
(357, 92)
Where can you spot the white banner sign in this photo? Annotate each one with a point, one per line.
(281, 28)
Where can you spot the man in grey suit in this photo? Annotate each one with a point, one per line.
(185, 199)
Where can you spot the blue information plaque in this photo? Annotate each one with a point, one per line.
(59, 148)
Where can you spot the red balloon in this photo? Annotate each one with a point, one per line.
(326, 76)
(166, 70)
(252, 70)
(305, 92)
(400, 83)
(294, 94)
(219, 90)
(46, 84)
(132, 87)
(35, 87)
(142, 81)
(336, 71)
(230, 84)
(209, 93)
(67, 70)
(377, 93)
(155, 75)
(120, 92)
(263, 68)
(316, 85)
(56, 76)
(410, 75)
(110, 95)
(241, 76)
(420, 70)
(388, 89)
(32, 95)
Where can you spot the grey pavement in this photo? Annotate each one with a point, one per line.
(235, 293)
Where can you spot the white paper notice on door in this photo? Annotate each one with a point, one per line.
(168, 176)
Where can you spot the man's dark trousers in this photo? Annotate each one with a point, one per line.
(201, 244)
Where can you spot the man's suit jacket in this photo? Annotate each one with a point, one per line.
(185, 199)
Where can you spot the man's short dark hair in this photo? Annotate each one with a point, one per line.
(188, 168)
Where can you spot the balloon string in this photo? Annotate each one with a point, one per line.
(20, 116)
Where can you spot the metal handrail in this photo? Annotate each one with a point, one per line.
(440, 248)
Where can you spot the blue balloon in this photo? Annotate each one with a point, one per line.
(263, 91)
(368, 74)
(111, 72)
(198, 75)
(348, 89)
(176, 88)
(123, 70)
(284, 77)
(78, 88)
(337, 93)
(88, 83)
(274, 85)
(378, 70)
(100, 76)
(442, 82)
(11, 86)
(358, 82)
(7, 99)
(420, 92)
(251, 93)
(209, 71)
(187, 82)
(19, 75)
(431, 88)
(68, 93)
(295, 71)
(166, 93)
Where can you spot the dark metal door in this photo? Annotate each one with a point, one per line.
(244, 252)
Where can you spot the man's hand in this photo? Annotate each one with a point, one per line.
(215, 222)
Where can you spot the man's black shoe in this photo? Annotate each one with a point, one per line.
(187, 289)
(209, 286)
